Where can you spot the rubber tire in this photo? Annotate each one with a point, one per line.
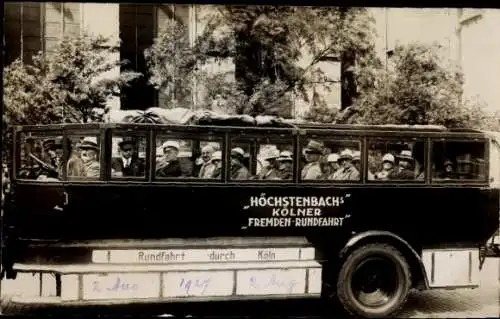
(348, 300)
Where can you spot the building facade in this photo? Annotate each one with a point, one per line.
(32, 26)
(466, 35)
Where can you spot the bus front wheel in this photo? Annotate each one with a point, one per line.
(374, 281)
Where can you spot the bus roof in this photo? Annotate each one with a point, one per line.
(286, 124)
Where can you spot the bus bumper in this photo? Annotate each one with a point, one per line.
(94, 284)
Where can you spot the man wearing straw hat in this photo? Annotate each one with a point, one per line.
(312, 153)
(89, 152)
(270, 171)
(285, 165)
(347, 171)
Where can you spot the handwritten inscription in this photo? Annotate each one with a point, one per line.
(196, 286)
(273, 283)
(297, 211)
(118, 285)
(198, 283)
(121, 286)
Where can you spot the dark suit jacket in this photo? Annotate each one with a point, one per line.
(136, 167)
(172, 169)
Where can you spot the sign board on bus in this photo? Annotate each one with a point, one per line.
(297, 211)
(165, 256)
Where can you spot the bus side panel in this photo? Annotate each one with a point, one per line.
(421, 216)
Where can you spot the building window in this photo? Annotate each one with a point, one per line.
(61, 19)
(137, 30)
(22, 30)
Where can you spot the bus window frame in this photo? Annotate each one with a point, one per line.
(35, 132)
(252, 138)
(178, 133)
(415, 181)
(136, 132)
(322, 135)
(97, 132)
(482, 140)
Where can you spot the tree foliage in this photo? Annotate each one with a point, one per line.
(65, 85)
(275, 50)
(420, 87)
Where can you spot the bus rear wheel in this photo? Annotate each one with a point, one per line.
(374, 281)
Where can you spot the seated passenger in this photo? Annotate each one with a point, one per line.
(75, 166)
(129, 164)
(217, 163)
(285, 165)
(347, 171)
(89, 152)
(387, 171)
(238, 170)
(356, 160)
(448, 171)
(270, 171)
(312, 153)
(464, 165)
(207, 167)
(404, 170)
(333, 162)
(169, 165)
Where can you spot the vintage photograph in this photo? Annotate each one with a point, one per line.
(249, 160)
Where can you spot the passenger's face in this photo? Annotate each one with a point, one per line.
(59, 154)
(88, 155)
(170, 154)
(345, 163)
(334, 166)
(234, 160)
(127, 151)
(448, 168)
(206, 155)
(387, 165)
(404, 164)
(311, 157)
(285, 164)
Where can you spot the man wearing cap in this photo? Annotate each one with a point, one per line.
(404, 170)
(312, 153)
(129, 164)
(448, 171)
(89, 153)
(169, 165)
(347, 171)
(270, 171)
(207, 167)
(238, 170)
(387, 167)
(285, 165)
(217, 163)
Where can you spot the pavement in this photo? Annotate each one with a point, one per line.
(460, 303)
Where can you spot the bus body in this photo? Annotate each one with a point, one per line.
(145, 239)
